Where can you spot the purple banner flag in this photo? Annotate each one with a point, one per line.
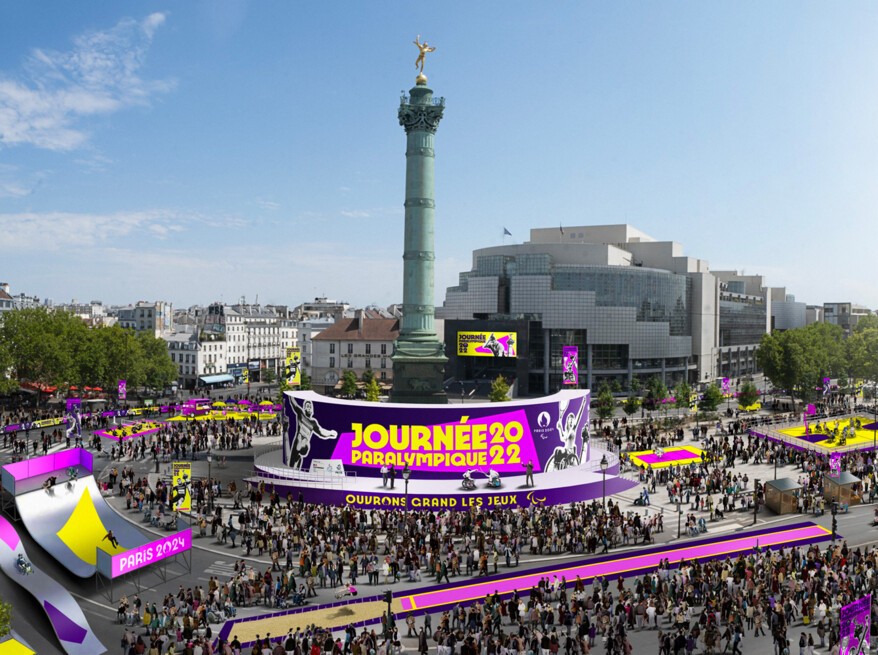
(570, 365)
(123, 389)
(854, 626)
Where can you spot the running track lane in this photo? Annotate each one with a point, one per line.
(612, 568)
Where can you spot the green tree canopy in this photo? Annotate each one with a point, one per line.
(710, 399)
(631, 405)
(681, 395)
(748, 394)
(605, 404)
(349, 384)
(656, 391)
(56, 348)
(499, 390)
(5, 618)
(797, 360)
(373, 391)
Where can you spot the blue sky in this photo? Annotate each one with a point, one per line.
(212, 150)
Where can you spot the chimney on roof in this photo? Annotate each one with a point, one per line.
(4, 286)
(359, 314)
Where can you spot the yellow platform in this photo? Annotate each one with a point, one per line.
(84, 532)
(642, 457)
(862, 437)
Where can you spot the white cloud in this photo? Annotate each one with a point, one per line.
(267, 204)
(12, 185)
(356, 213)
(99, 75)
(31, 231)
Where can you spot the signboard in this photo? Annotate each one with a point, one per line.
(834, 464)
(327, 466)
(253, 364)
(73, 417)
(122, 387)
(293, 367)
(827, 386)
(438, 441)
(486, 344)
(113, 566)
(181, 491)
(854, 626)
(245, 376)
(727, 386)
(570, 365)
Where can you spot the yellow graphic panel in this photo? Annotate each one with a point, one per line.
(84, 532)
(15, 647)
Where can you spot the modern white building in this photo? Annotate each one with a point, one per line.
(786, 313)
(633, 305)
(844, 314)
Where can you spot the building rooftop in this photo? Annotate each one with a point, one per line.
(367, 329)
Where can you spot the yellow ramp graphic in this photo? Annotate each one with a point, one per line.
(15, 647)
(84, 532)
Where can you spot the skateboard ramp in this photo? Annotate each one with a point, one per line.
(65, 615)
(70, 522)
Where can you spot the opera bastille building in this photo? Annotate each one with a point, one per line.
(633, 305)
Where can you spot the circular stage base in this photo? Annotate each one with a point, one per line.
(571, 485)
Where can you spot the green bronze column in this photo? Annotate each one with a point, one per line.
(418, 356)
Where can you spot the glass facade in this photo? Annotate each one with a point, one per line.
(742, 320)
(658, 296)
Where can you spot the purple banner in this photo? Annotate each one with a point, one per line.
(73, 417)
(854, 626)
(122, 387)
(143, 556)
(727, 385)
(827, 386)
(570, 365)
(439, 441)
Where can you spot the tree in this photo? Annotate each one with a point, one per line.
(797, 360)
(158, 369)
(656, 391)
(681, 395)
(349, 384)
(710, 399)
(373, 391)
(631, 405)
(499, 390)
(605, 404)
(306, 382)
(367, 375)
(5, 618)
(268, 375)
(748, 394)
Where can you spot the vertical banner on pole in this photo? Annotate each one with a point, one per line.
(727, 387)
(854, 626)
(74, 417)
(122, 386)
(293, 368)
(570, 365)
(181, 491)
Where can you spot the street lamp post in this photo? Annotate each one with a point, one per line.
(756, 498)
(604, 466)
(209, 484)
(406, 474)
(679, 518)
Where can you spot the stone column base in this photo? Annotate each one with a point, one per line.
(419, 380)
